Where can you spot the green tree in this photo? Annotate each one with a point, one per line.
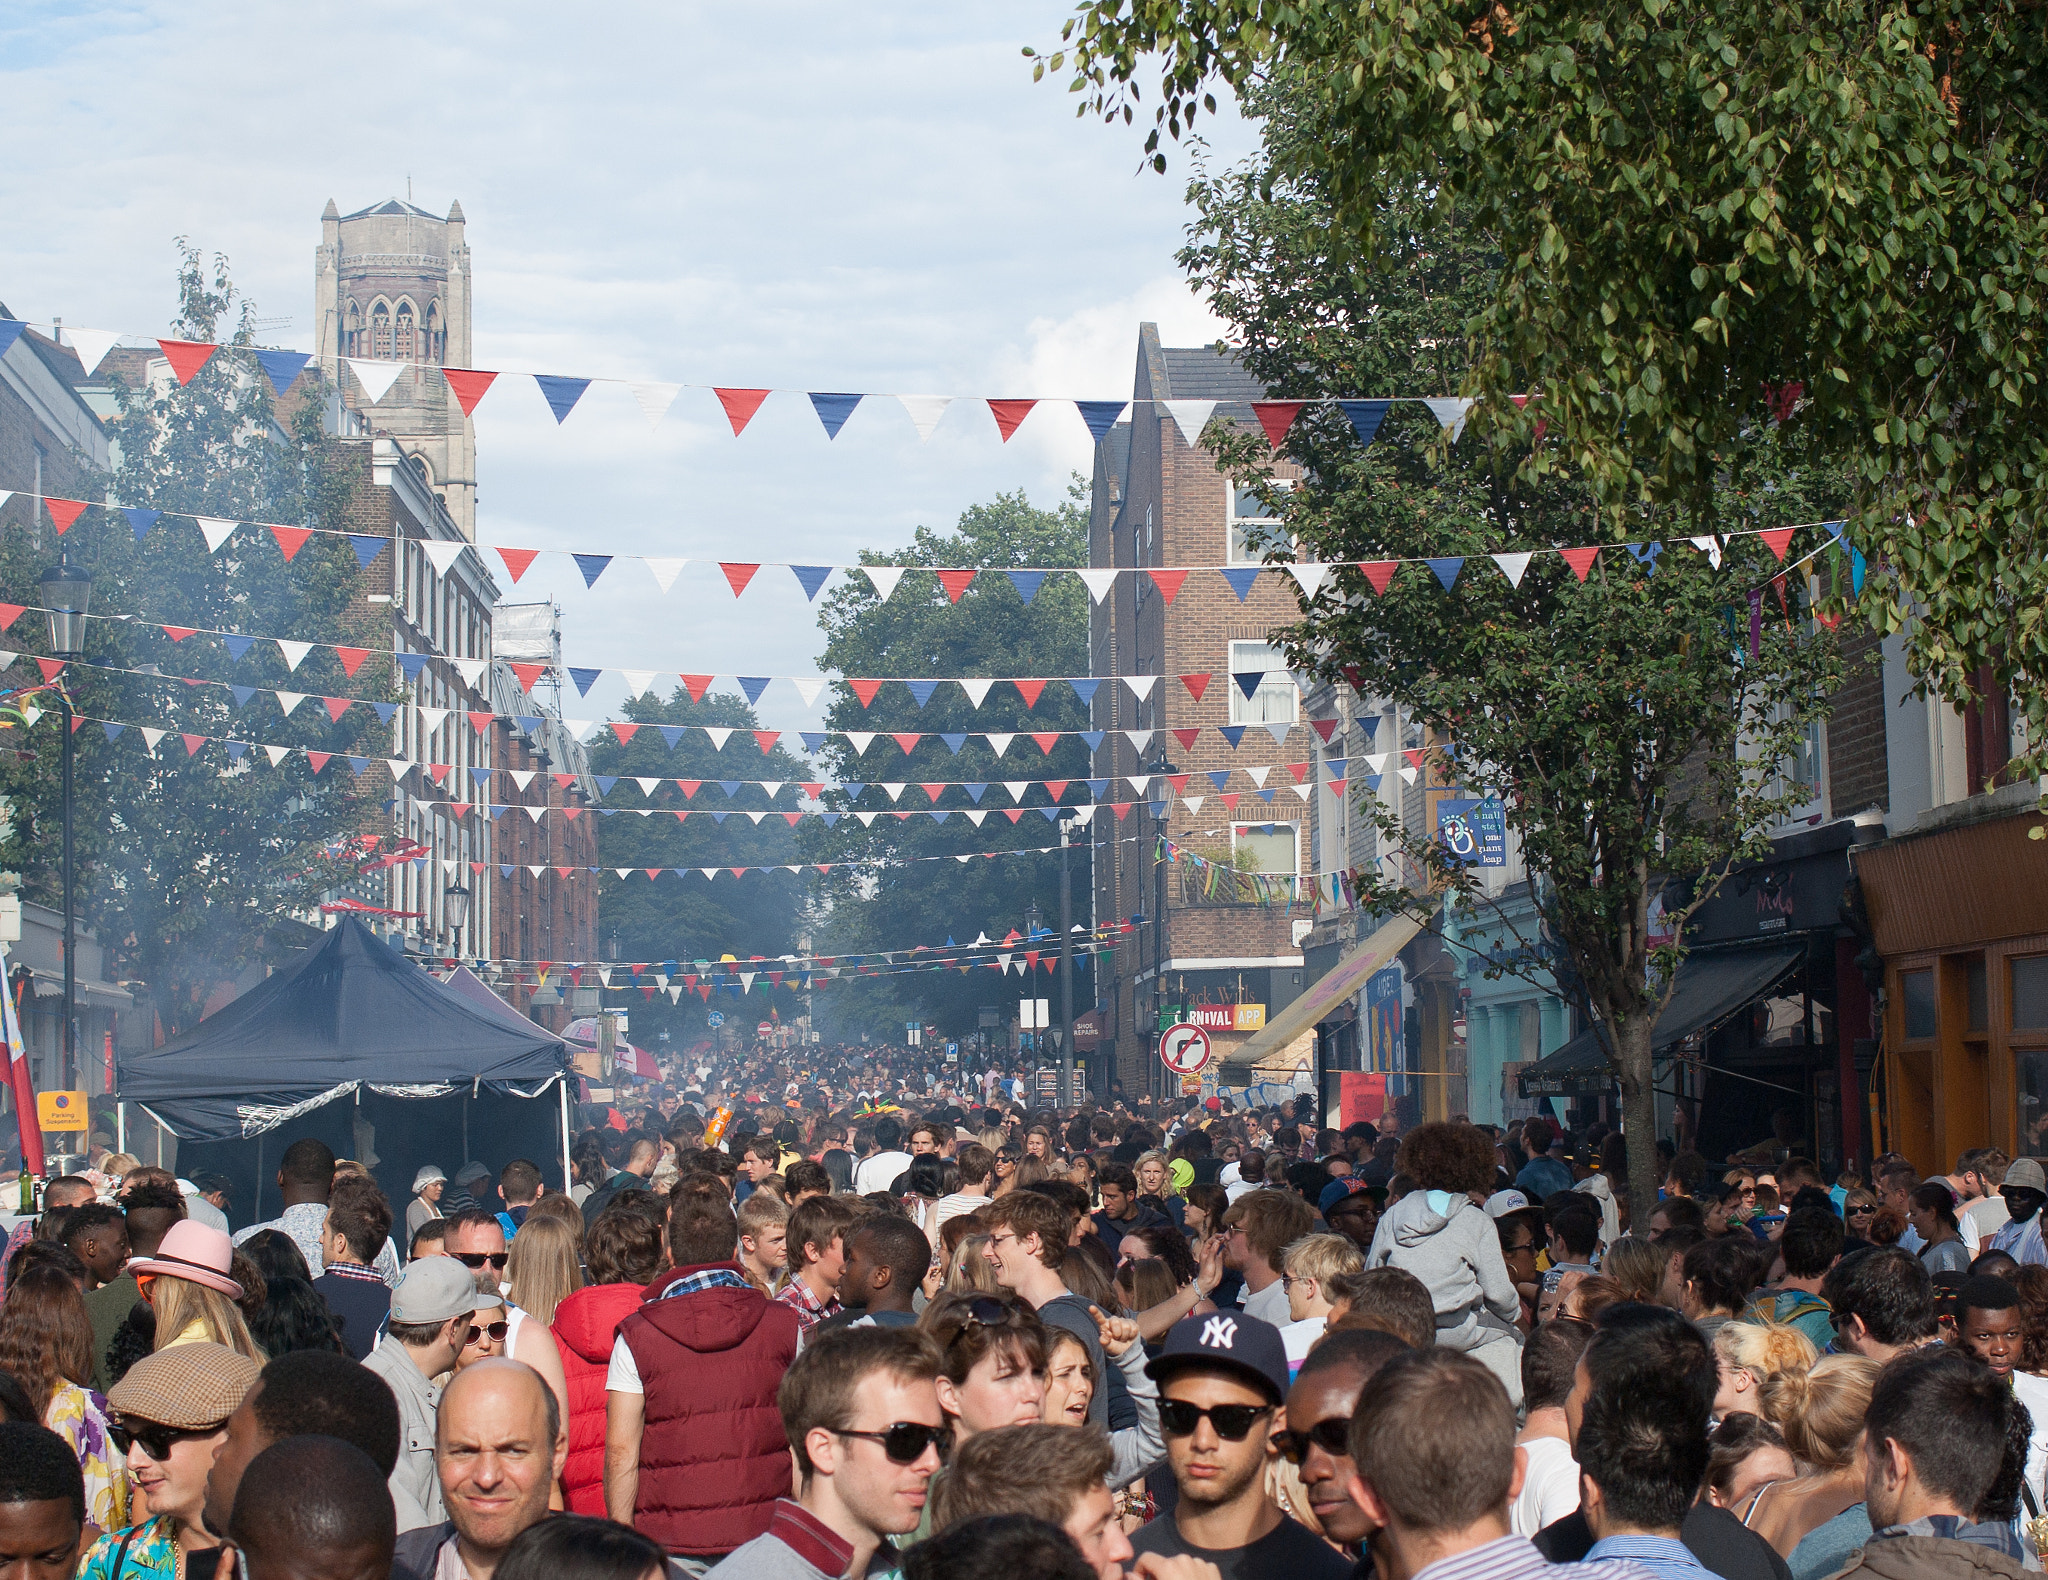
(185, 863)
(1691, 202)
(686, 919)
(1635, 740)
(885, 898)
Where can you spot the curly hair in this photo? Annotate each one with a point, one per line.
(1449, 1157)
(45, 1334)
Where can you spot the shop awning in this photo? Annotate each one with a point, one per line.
(1329, 990)
(1710, 988)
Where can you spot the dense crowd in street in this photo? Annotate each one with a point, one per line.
(854, 1312)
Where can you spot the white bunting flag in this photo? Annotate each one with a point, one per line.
(755, 817)
(92, 345)
(809, 689)
(443, 555)
(1279, 732)
(521, 777)
(288, 700)
(1310, 577)
(654, 401)
(1141, 685)
(1137, 783)
(638, 681)
(216, 531)
(867, 819)
(1301, 792)
(1407, 774)
(885, 578)
(1376, 761)
(1193, 803)
(895, 791)
(399, 768)
(294, 653)
(719, 734)
(1000, 744)
(536, 813)
(860, 740)
(471, 670)
(1098, 582)
(647, 785)
(150, 737)
(1513, 567)
(431, 719)
(1258, 775)
(1139, 739)
(1190, 416)
(925, 411)
(1711, 547)
(772, 786)
(1450, 412)
(277, 754)
(376, 378)
(975, 818)
(976, 690)
(1017, 787)
(664, 571)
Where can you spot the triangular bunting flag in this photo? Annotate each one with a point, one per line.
(976, 689)
(290, 539)
(925, 411)
(833, 410)
(664, 571)
(216, 531)
(884, 577)
(140, 520)
(1276, 417)
(1167, 581)
(1100, 415)
(442, 554)
(1027, 583)
(376, 378)
(66, 511)
(561, 393)
(1098, 582)
(1450, 412)
(1778, 541)
(955, 582)
(737, 576)
(1513, 567)
(1190, 416)
(517, 560)
(740, 406)
(187, 357)
(1310, 577)
(592, 566)
(1196, 684)
(1241, 579)
(1447, 569)
(654, 400)
(467, 385)
(811, 578)
(1008, 414)
(282, 368)
(1365, 415)
(92, 345)
(1581, 560)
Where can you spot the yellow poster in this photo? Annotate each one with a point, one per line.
(62, 1110)
(1248, 1017)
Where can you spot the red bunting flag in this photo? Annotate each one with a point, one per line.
(1056, 787)
(187, 357)
(1047, 741)
(696, 685)
(51, 667)
(290, 539)
(1352, 677)
(1187, 738)
(864, 689)
(740, 406)
(1013, 813)
(1196, 684)
(908, 741)
(438, 772)
(1276, 417)
(625, 732)
(955, 583)
(318, 760)
(1120, 808)
(480, 722)
(64, 511)
(1168, 583)
(1323, 727)
(766, 739)
(1008, 414)
(9, 613)
(1297, 769)
(336, 706)
(932, 792)
(737, 576)
(1179, 783)
(1580, 560)
(528, 674)
(1030, 691)
(193, 744)
(178, 633)
(467, 385)
(689, 787)
(1778, 541)
(516, 560)
(1230, 800)
(1379, 573)
(351, 659)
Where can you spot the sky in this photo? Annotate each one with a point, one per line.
(792, 195)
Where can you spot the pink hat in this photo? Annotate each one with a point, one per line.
(193, 1251)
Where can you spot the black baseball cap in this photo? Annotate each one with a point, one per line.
(1227, 1340)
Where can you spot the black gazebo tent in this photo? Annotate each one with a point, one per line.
(358, 1046)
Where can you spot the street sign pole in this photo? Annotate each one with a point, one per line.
(1068, 1097)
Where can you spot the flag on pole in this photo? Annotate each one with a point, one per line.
(18, 1075)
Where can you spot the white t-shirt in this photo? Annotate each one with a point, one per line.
(2032, 1392)
(623, 1375)
(1269, 1303)
(1551, 1489)
(954, 1205)
(1983, 1218)
(1299, 1336)
(879, 1172)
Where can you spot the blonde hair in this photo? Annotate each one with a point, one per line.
(1823, 1409)
(1322, 1257)
(1638, 1266)
(968, 1272)
(1769, 1351)
(178, 1303)
(1166, 1163)
(543, 1269)
(117, 1166)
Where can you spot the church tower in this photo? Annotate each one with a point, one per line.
(391, 283)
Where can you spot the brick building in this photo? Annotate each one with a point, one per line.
(1159, 501)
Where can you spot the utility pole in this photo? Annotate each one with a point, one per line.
(1068, 1097)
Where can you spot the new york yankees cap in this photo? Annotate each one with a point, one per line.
(1227, 1340)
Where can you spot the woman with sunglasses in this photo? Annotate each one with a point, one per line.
(1007, 1159)
(486, 1336)
(170, 1413)
(188, 1286)
(1859, 1211)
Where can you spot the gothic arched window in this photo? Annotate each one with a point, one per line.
(352, 334)
(380, 331)
(404, 348)
(437, 334)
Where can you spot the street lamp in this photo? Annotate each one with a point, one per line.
(1065, 1044)
(66, 592)
(455, 912)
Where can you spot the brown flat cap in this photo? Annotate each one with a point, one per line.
(188, 1386)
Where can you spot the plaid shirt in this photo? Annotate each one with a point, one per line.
(810, 1311)
(710, 1278)
(355, 1270)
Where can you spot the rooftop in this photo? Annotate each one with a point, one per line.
(397, 207)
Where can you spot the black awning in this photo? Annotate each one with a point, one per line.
(1710, 988)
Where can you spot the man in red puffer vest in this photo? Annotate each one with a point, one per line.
(625, 1254)
(694, 1450)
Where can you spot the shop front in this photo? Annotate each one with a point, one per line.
(1959, 912)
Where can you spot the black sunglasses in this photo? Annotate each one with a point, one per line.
(491, 1332)
(1333, 1437)
(905, 1441)
(153, 1438)
(475, 1259)
(1178, 1418)
(985, 1311)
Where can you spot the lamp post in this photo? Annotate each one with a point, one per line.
(1068, 1096)
(1031, 928)
(66, 591)
(1158, 767)
(455, 912)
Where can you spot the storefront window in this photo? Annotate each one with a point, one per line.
(1918, 990)
(2030, 993)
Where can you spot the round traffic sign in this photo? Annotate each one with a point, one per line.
(1184, 1049)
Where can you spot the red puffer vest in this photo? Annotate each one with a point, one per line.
(586, 1324)
(713, 1456)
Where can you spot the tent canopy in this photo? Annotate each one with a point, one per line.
(352, 1013)
(1710, 988)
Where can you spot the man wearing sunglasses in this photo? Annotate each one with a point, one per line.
(861, 1411)
(1221, 1380)
(1319, 1410)
(430, 1326)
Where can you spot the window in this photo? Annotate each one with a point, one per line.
(380, 331)
(1273, 700)
(403, 348)
(2030, 993)
(1272, 847)
(1254, 520)
(437, 334)
(1917, 988)
(352, 341)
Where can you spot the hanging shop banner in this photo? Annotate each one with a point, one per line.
(1384, 1045)
(1473, 831)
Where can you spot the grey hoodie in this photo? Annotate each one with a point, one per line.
(1453, 1247)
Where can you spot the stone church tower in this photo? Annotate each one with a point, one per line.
(391, 283)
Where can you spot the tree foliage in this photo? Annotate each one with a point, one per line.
(1691, 202)
(1623, 721)
(885, 899)
(185, 863)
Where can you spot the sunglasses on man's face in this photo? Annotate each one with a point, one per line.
(153, 1438)
(476, 1259)
(1178, 1418)
(905, 1441)
(1333, 1437)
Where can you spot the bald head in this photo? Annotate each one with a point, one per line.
(314, 1508)
(498, 1447)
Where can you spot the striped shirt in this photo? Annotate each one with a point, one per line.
(1516, 1558)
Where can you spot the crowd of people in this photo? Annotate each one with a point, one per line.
(873, 1319)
